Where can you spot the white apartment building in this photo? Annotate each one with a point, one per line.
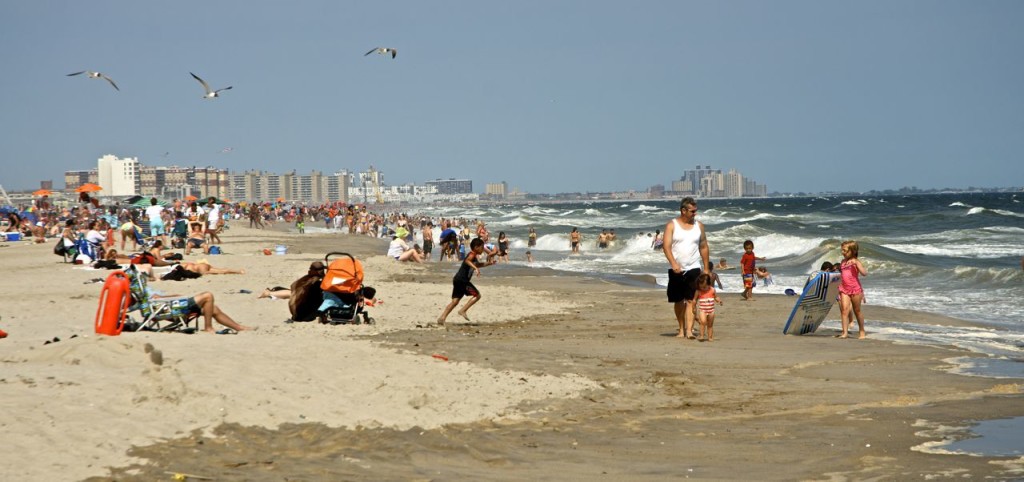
(118, 177)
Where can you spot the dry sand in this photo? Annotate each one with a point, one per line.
(556, 377)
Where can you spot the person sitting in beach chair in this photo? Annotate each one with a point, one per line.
(178, 311)
(179, 232)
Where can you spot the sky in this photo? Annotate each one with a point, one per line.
(549, 96)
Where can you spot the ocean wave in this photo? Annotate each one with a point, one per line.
(973, 250)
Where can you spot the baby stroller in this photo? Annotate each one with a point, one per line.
(344, 295)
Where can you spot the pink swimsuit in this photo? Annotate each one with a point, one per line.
(850, 281)
(706, 301)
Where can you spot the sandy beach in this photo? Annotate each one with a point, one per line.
(557, 377)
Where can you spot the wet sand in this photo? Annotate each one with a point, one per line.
(620, 397)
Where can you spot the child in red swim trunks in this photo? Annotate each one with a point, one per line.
(748, 263)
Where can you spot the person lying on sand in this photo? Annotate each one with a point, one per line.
(203, 267)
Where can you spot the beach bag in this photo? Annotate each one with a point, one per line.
(60, 249)
(214, 249)
(344, 274)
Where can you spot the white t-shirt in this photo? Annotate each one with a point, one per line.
(154, 212)
(95, 237)
(213, 216)
(397, 247)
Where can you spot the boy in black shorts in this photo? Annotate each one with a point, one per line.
(461, 286)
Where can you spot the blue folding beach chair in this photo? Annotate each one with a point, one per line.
(174, 311)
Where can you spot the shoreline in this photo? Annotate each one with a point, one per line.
(558, 373)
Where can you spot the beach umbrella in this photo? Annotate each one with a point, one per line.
(145, 203)
(280, 199)
(132, 200)
(190, 198)
(42, 192)
(88, 187)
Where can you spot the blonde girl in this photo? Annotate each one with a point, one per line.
(706, 299)
(851, 294)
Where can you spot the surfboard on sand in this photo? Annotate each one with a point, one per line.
(813, 304)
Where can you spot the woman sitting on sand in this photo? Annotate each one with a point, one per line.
(196, 239)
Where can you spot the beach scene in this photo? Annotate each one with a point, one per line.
(466, 241)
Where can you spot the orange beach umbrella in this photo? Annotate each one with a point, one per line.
(88, 187)
(190, 198)
(42, 192)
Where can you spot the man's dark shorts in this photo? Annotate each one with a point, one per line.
(682, 286)
(464, 288)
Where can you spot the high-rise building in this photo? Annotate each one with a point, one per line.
(452, 186)
(496, 189)
(118, 177)
(73, 179)
(733, 184)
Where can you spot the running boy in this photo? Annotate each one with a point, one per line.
(748, 264)
(461, 285)
(706, 298)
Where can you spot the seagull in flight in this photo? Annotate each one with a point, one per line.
(383, 51)
(210, 93)
(95, 75)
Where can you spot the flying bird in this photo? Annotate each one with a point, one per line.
(210, 93)
(383, 51)
(96, 75)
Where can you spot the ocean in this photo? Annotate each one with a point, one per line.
(954, 254)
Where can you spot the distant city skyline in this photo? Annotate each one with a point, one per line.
(547, 96)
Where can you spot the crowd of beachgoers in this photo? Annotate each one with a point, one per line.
(91, 231)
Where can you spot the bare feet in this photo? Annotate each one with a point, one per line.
(862, 336)
(265, 294)
(841, 336)
(464, 315)
(440, 322)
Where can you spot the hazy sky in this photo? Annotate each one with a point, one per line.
(549, 96)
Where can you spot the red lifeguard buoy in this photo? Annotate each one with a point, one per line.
(114, 300)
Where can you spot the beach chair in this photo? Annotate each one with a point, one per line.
(174, 312)
(179, 233)
(84, 247)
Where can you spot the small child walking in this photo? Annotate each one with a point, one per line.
(300, 223)
(851, 293)
(749, 265)
(706, 299)
(461, 285)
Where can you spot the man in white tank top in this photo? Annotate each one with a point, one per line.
(686, 248)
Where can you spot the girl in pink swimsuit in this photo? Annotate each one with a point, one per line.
(706, 299)
(851, 294)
